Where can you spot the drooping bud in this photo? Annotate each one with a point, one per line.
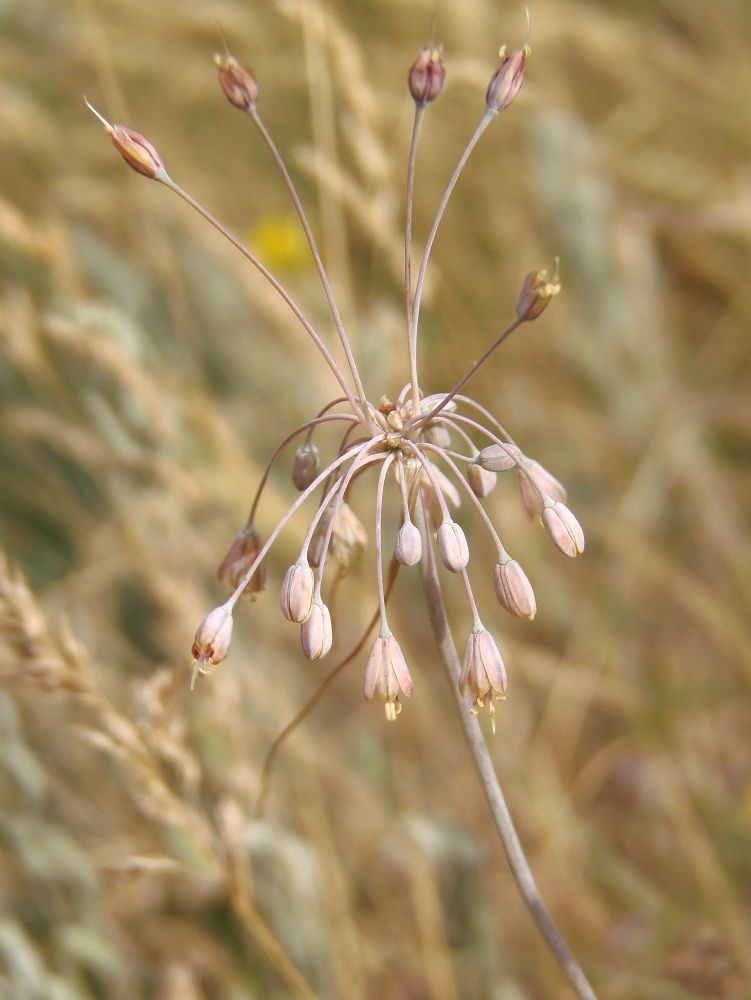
(316, 635)
(237, 81)
(239, 558)
(134, 147)
(348, 538)
(408, 549)
(482, 481)
(305, 465)
(499, 458)
(296, 597)
(483, 672)
(427, 75)
(448, 491)
(452, 546)
(387, 672)
(437, 434)
(212, 641)
(536, 292)
(563, 528)
(506, 82)
(513, 590)
(546, 483)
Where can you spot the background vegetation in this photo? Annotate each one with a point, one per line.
(145, 376)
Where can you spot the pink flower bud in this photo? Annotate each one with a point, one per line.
(514, 591)
(536, 292)
(545, 481)
(499, 458)
(387, 672)
(237, 81)
(212, 639)
(305, 465)
(452, 546)
(483, 672)
(482, 481)
(316, 634)
(408, 549)
(426, 75)
(134, 147)
(564, 529)
(239, 558)
(349, 537)
(296, 597)
(506, 82)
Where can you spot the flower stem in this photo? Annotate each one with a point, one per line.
(489, 779)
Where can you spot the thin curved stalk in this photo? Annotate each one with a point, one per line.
(489, 779)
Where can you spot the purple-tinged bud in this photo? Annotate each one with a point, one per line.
(134, 147)
(305, 465)
(563, 528)
(536, 292)
(348, 538)
(438, 435)
(212, 639)
(408, 549)
(546, 483)
(387, 672)
(427, 75)
(316, 634)
(482, 481)
(239, 558)
(499, 458)
(514, 591)
(506, 82)
(237, 81)
(452, 546)
(296, 596)
(483, 673)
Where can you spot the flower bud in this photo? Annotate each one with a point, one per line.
(506, 82)
(482, 481)
(483, 672)
(438, 435)
(426, 75)
(513, 590)
(448, 491)
(563, 528)
(452, 546)
(212, 640)
(408, 549)
(316, 634)
(237, 81)
(296, 595)
(305, 465)
(239, 558)
(546, 483)
(134, 148)
(499, 458)
(536, 292)
(387, 672)
(348, 538)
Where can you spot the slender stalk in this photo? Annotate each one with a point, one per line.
(379, 541)
(489, 779)
(328, 291)
(419, 114)
(251, 257)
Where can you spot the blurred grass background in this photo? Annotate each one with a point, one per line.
(145, 377)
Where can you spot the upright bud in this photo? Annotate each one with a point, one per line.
(212, 640)
(499, 457)
(237, 81)
(542, 481)
(452, 546)
(482, 481)
(296, 597)
(426, 75)
(239, 558)
(316, 635)
(387, 672)
(513, 590)
(536, 292)
(563, 528)
(134, 148)
(408, 549)
(305, 465)
(506, 82)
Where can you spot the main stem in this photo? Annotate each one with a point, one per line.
(488, 777)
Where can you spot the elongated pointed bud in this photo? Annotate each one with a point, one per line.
(134, 147)
(427, 75)
(482, 481)
(387, 672)
(408, 549)
(239, 558)
(305, 465)
(506, 82)
(452, 546)
(483, 672)
(212, 641)
(514, 591)
(296, 597)
(545, 482)
(237, 81)
(564, 529)
(316, 635)
(536, 292)
(499, 458)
